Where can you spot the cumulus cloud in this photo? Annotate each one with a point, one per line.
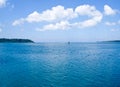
(61, 25)
(90, 11)
(55, 14)
(2, 3)
(110, 23)
(109, 11)
(18, 22)
(59, 17)
(33, 17)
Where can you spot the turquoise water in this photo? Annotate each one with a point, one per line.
(60, 65)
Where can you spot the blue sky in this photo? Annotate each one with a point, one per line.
(60, 20)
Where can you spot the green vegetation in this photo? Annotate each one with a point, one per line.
(4, 40)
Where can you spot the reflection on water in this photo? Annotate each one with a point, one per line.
(60, 65)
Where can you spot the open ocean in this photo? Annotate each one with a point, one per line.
(60, 64)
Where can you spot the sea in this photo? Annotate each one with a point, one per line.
(58, 64)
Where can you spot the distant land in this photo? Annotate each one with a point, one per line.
(5, 40)
(116, 41)
(112, 41)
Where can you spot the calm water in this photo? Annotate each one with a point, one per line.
(60, 65)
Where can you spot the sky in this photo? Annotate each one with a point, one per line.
(60, 20)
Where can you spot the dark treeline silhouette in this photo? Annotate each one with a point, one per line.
(5, 40)
(114, 41)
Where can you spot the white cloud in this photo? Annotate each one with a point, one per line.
(61, 25)
(108, 10)
(33, 17)
(90, 11)
(58, 17)
(57, 13)
(18, 22)
(0, 29)
(110, 23)
(119, 22)
(114, 30)
(2, 3)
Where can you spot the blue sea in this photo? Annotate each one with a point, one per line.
(60, 64)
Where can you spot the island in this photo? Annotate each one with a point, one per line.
(113, 41)
(109, 41)
(5, 40)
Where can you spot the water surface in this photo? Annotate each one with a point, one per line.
(60, 65)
